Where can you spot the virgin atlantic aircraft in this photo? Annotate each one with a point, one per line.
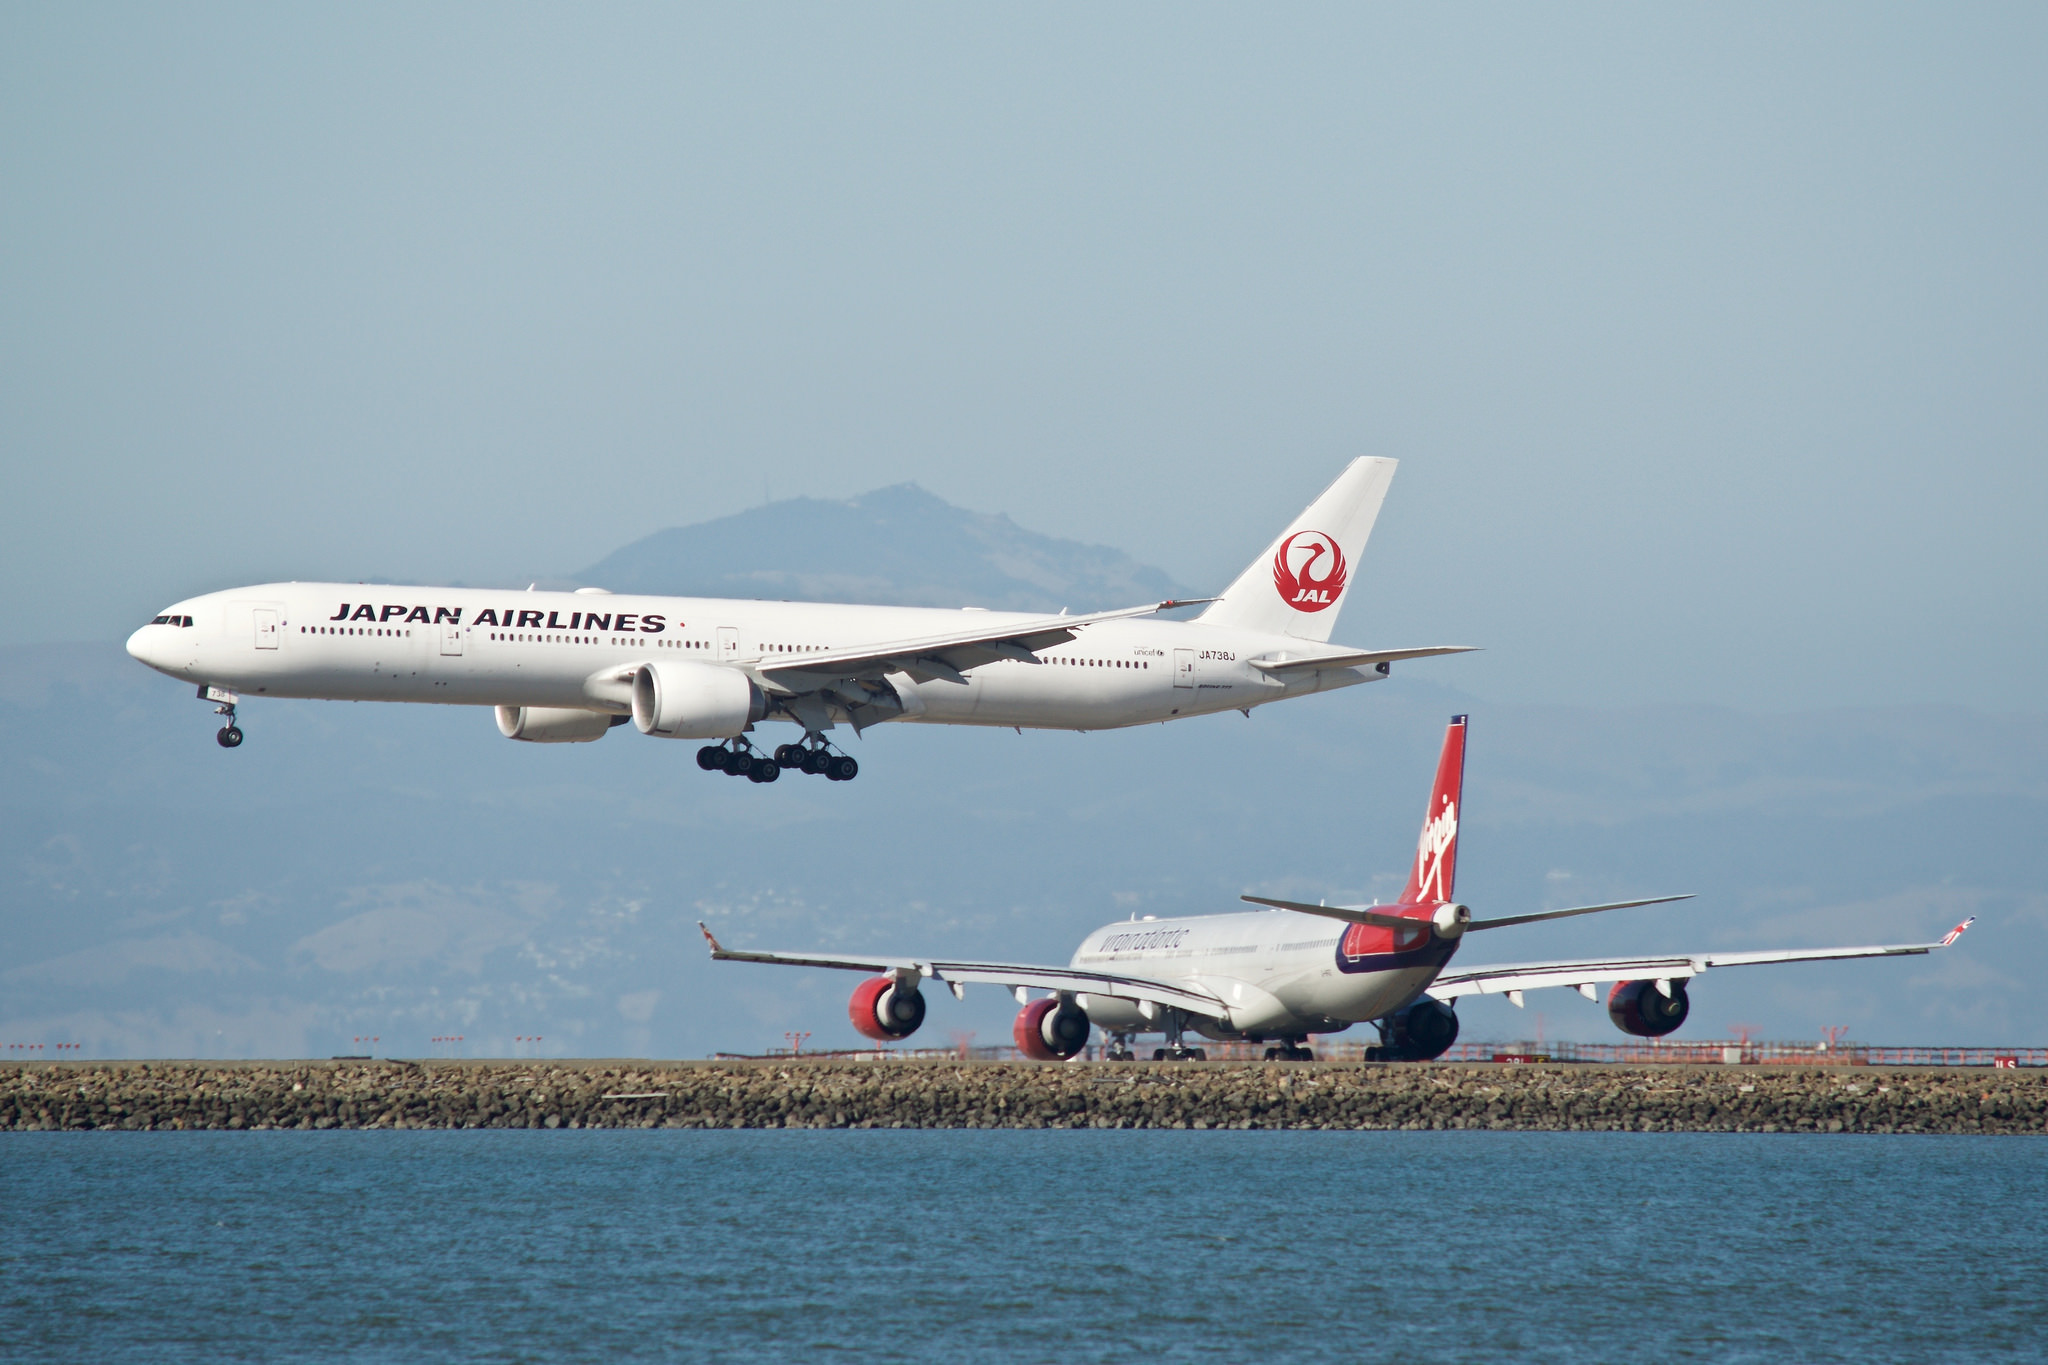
(565, 668)
(1285, 973)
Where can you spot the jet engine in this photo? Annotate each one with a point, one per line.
(1638, 1007)
(674, 699)
(885, 1011)
(1424, 1030)
(554, 724)
(1051, 1030)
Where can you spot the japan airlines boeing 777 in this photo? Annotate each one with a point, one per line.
(564, 668)
(1288, 972)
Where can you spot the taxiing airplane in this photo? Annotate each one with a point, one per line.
(564, 668)
(1285, 973)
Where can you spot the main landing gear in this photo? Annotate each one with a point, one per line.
(229, 736)
(739, 758)
(1176, 1049)
(818, 758)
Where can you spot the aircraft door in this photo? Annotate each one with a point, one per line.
(451, 638)
(728, 642)
(1183, 668)
(266, 628)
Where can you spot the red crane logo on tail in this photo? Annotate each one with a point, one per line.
(1309, 571)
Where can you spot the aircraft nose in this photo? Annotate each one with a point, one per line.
(138, 646)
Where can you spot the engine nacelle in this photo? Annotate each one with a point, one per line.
(1051, 1030)
(674, 699)
(1424, 1030)
(1638, 1007)
(554, 724)
(884, 1010)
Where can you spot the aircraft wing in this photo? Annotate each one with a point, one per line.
(1583, 973)
(1009, 975)
(1353, 658)
(946, 656)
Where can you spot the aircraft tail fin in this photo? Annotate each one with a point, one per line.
(1434, 876)
(1297, 586)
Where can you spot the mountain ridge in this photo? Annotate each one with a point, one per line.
(894, 546)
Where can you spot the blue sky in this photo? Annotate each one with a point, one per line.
(1712, 339)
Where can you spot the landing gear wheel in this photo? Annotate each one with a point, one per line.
(229, 736)
(814, 761)
(1196, 1054)
(1158, 1054)
(710, 758)
(788, 756)
(765, 772)
(739, 763)
(841, 768)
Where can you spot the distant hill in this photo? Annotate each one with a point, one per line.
(896, 546)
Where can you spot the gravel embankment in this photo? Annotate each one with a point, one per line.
(920, 1094)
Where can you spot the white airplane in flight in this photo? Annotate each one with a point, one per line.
(1285, 973)
(564, 668)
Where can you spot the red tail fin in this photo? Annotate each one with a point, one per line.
(1436, 855)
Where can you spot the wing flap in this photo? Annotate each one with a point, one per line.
(929, 654)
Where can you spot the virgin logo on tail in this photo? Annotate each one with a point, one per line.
(1309, 571)
(1439, 834)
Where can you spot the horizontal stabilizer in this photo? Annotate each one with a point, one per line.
(1349, 914)
(1354, 658)
(1505, 920)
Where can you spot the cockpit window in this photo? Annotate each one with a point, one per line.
(170, 620)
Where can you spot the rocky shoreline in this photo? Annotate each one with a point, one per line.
(160, 1096)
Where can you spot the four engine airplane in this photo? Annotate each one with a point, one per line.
(1295, 969)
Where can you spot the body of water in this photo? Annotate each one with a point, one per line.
(1003, 1245)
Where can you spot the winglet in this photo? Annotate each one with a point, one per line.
(716, 951)
(1952, 935)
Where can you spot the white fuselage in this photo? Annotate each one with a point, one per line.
(1280, 974)
(470, 647)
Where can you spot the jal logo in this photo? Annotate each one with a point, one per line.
(1309, 571)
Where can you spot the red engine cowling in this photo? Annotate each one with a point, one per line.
(884, 1011)
(1050, 1031)
(1638, 1007)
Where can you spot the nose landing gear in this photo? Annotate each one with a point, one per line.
(1176, 1049)
(229, 736)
